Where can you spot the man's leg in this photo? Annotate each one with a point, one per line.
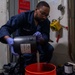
(49, 53)
(46, 52)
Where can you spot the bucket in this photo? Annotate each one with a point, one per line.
(40, 69)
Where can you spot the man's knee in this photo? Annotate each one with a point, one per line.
(51, 48)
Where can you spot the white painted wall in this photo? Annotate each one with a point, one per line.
(3, 19)
(61, 48)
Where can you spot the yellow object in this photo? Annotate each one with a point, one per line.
(55, 25)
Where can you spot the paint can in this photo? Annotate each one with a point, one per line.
(68, 69)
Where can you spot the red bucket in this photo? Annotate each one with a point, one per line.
(40, 69)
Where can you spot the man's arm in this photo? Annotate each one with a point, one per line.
(11, 26)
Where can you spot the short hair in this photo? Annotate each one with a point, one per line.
(42, 3)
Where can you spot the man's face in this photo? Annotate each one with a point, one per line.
(41, 13)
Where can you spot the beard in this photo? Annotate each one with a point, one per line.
(39, 19)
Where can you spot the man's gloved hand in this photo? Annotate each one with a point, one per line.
(12, 50)
(39, 37)
(37, 34)
(10, 42)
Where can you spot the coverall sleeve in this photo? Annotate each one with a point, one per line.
(14, 23)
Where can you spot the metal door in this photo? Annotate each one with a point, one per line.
(14, 5)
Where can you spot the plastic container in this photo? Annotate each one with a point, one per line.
(40, 69)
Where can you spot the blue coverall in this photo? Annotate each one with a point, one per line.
(25, 25)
